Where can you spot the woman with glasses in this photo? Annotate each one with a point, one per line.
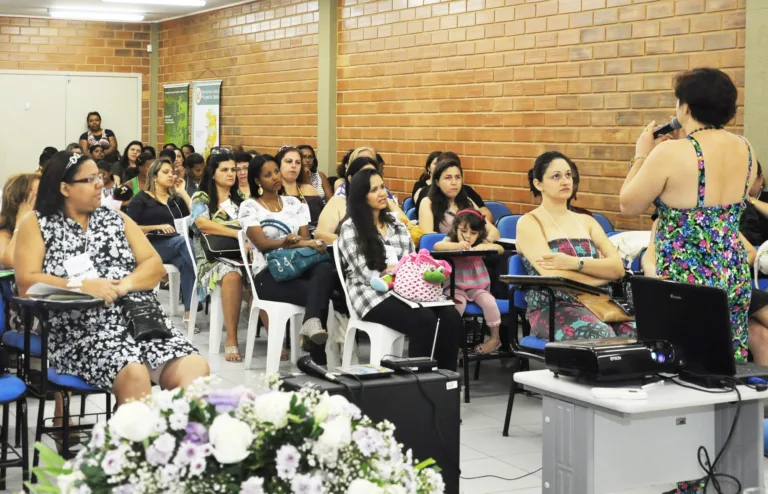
(241, 161)
(157, 211)
(74, 243)
(317, 178)
(215, 210)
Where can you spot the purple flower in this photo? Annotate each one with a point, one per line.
(225, 400)
(196, 433)
(112, 464)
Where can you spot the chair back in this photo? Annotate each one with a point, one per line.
(411, 214)
(516, 268)
(604, 222)
(340, 271)
(408, 203)
(244, 253)
(428, 240)
(508, 225)
(637, 263)
(498, 210)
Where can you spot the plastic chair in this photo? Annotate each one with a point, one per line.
(13, 390)
(411, 214)
(498, 210)
(604, 222)
(428, 240)
(174, 285)
(637, 263)
(508, 225)
(408, 204)
(384, 340)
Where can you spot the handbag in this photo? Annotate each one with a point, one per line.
(411, 282)
(289, 264)
(146, 320)
(215, 246)
(605, 308)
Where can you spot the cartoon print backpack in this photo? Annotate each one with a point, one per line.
(419, 277)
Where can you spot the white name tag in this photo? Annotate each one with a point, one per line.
(391, 255)
(229, 207)
(304, 213)
(80, 267)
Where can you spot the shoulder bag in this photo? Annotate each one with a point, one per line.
(289, 264)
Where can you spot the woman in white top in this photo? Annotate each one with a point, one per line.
(264, 218)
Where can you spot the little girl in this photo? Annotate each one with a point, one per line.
(472, 280)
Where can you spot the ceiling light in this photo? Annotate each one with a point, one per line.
(170, 3)
(97, 15)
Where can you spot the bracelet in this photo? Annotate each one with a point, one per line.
(636, 158)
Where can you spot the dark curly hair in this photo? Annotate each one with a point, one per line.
(710, 95)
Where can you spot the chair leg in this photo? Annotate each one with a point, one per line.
(217, 321)
(294, 328)
(465, 353)
(4, 442)
(250, 339)
(275, 338)
(38, 436)
(109, 405)
(511, 400)
(173, 290)
(65, 424)
(477, 370)
(17, 438)
(349, 345)
(82, 405)
(193, 312)
(24, 441)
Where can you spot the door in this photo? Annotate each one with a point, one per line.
(32, 117)
(117, 99)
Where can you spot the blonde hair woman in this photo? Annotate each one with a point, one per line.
(340, 186)
(19, 196)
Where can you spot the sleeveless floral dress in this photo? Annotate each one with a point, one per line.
(701, 245)
(96, 344)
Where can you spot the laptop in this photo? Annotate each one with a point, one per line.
(696, 319)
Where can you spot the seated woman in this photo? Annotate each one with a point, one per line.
(157, 209)
(345, 178)
(241, 161)
(19, 196)
(554, 241)
(314, 288)
(295, 183)
(469, 191)
(73, 243)
(446, 197)
(215, 211)
(372, 241)
(139, 182)
(425, 180)
(127, 161)
(317, 178)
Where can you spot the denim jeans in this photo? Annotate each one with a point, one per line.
(173, 250)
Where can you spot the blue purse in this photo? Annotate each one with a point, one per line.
(289, 264)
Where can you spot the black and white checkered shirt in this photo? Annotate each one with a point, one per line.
(357, 274)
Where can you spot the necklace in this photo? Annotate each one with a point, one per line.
(575, 253)
(278, 207)
(707, 127)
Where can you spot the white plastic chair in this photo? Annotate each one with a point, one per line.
(384, 340)
(174, 285)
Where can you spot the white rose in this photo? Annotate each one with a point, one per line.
(362, 486)
(337, 433)
(66, 483)
(394, 489)
(134, 421)
(230, 439)
(322, 408)
(273, 408)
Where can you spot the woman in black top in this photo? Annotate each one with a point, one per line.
(95, 135)
(156, 210)
(128, 160)
(426, 178)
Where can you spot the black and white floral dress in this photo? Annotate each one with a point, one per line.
(96, 344)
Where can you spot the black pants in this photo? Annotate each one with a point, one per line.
(312, 291)
(419, 325)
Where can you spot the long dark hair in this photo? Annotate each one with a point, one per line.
(124, 158)
(313, 168)
(51, 201)
(359, 211)
(300, 180)
(540, 168)
(254, 172)
(474, 220)
(434, 154)
(341, 170)
(208, 184)
(439, 201)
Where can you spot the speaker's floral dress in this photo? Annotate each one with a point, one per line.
(701, 245)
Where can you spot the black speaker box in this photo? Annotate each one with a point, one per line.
(398, 399)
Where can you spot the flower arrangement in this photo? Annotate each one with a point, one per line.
(209, 440)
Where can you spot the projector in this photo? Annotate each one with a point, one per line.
(610, 359)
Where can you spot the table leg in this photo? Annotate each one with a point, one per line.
(568, 448)
(744, 457)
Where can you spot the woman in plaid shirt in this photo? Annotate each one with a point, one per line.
(371, 241)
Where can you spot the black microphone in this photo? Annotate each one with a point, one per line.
(668, 127)
(309, 367)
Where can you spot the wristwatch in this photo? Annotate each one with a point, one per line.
(581, 264)
(318, 242)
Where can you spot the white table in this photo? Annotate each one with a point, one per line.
(593, 446)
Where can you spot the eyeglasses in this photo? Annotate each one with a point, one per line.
(88, 180)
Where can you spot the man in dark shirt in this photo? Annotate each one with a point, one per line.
(753, 224)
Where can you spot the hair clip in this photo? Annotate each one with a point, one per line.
(72, 161)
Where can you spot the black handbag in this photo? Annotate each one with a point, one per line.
(215, 246)
(146, 320)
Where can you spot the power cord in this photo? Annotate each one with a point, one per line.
(501, 478)
(710, 467)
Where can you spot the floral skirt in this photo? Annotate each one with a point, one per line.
(211, 274)
(575, 322)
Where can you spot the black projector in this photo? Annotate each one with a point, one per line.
(610, 359)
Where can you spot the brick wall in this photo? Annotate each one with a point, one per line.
(266, 54)
(500, 81)
(73, 46)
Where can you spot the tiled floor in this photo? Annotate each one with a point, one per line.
(484, 451)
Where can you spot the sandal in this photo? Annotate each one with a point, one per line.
(186, 326)
(480, 349)
(232, 351)
(284, 355)
(312, 329)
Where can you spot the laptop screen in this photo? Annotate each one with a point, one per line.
(696, 319)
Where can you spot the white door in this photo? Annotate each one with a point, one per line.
(117, 98)
(32, 109)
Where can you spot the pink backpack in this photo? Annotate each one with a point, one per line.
(419, 277)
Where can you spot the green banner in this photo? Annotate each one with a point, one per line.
(206, 108)
(176, 110)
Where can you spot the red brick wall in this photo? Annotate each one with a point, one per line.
(266, 54)
(500, 81)
(73, 46)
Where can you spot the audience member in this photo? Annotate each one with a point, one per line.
(187, 149)
(342, 183)
(169, 145)
(215, 211)
(97, 152)
(19, 196)
(371, 242)
(699, 205)
(341, 170)
(753, 221)
(258, 216)
(158, 209)
(425, 180)
(194, 167)
(95, 134)
(242, 159)
(469, 191)
(74, 148)
(139, 182)
(317, 178)
(128, 160)
(69, 232)
(149, 149)
(45, 156)
(253, 153)
(554, 241)
(109, 185)
(289, 159)
(446, 196)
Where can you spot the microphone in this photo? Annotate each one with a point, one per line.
(309, 367)
(668, 127)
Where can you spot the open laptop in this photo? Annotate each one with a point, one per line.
(696, 319)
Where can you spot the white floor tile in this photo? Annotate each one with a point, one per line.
(491, 443)
(487, 485)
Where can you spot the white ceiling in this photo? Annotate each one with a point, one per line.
(154, 13)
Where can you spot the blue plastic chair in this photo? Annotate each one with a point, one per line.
(411, 214)
(637, 263)
(604, 222)
(13, 390)
(497, 209)
(408, 203)
(508, 226)
(428, 240)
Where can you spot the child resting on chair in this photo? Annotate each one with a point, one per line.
(472, 281)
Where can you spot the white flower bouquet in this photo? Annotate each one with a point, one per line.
(208, 440)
